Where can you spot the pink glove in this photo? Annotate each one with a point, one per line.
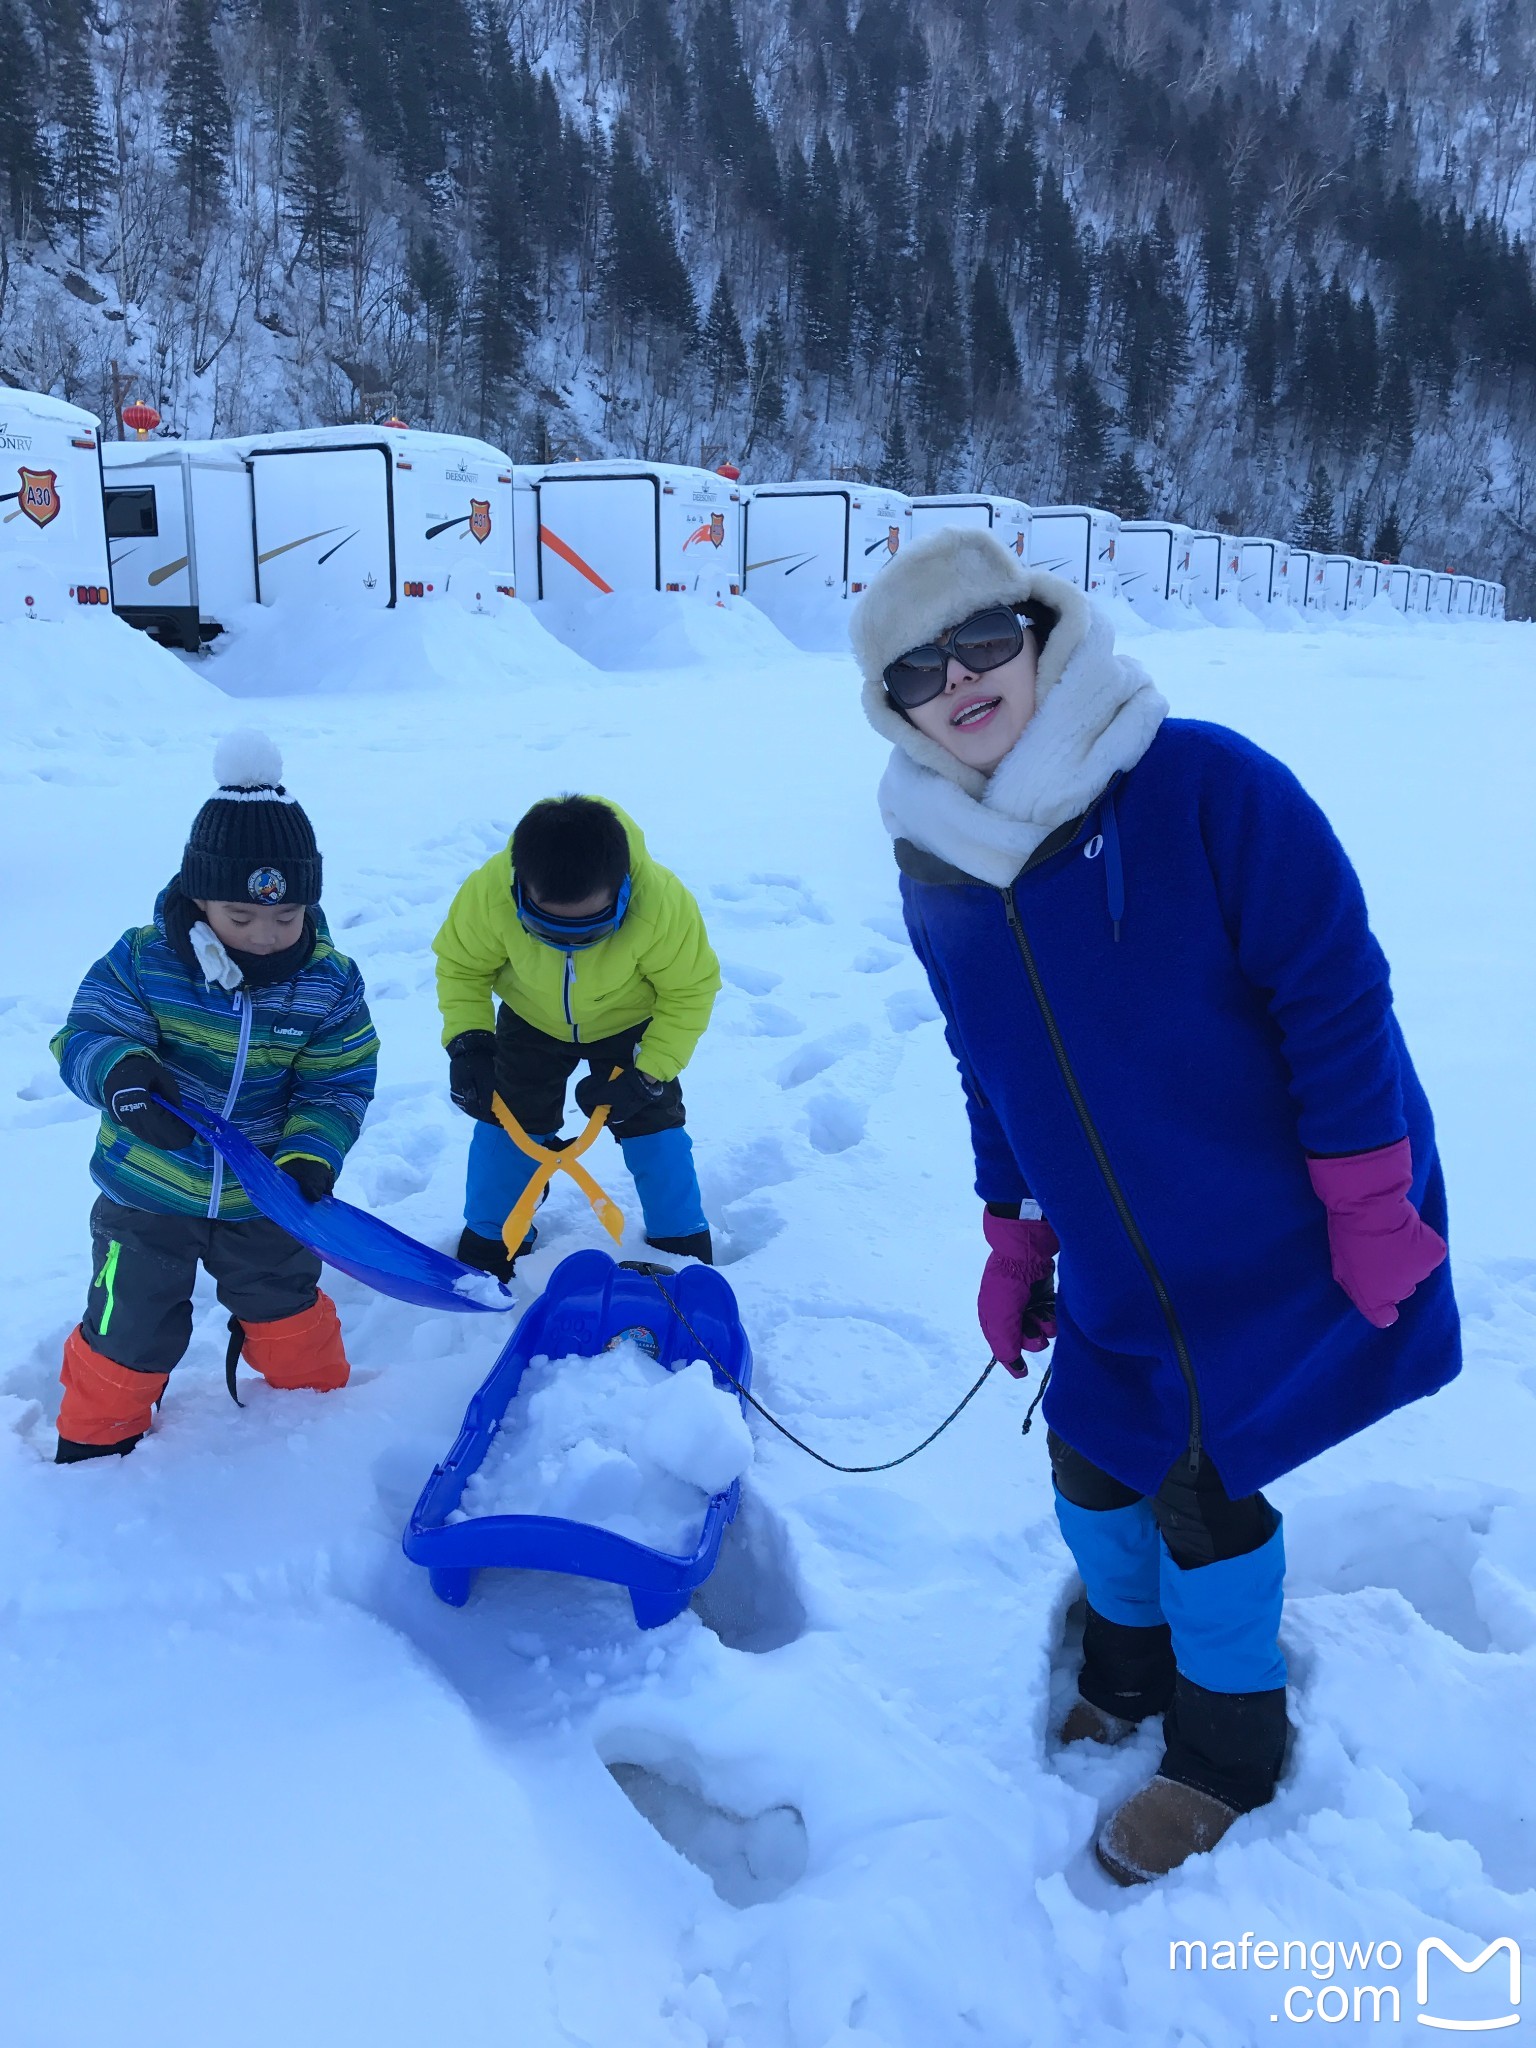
(1017, 1303)
(1381, 1247)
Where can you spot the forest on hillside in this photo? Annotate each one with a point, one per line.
(1266, 266)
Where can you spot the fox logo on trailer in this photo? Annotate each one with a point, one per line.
(480, 518)
(714, 533)
(1018, 543)
(39, 495)
(893, 538)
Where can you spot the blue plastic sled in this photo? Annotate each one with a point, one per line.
(371, 1250)
(589, 1299)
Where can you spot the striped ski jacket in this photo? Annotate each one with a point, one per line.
(292, 1064)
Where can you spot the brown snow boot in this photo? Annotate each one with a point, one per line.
(1160, 1827)
(1087, 1723)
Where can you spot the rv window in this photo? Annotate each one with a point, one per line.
(131, 515)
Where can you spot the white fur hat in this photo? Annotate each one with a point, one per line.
(956, 572)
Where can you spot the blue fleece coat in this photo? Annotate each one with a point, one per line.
(1176, 1002)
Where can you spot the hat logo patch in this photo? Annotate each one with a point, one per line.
(267, 885)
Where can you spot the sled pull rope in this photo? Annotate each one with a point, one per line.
(800, 1444)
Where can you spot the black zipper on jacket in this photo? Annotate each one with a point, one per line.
(1116, 1192)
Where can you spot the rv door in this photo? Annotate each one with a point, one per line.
(598, 534)
(324, 526)
(1062, 543)
(797, 548)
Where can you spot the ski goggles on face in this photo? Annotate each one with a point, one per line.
(570, 934)
(985, 640)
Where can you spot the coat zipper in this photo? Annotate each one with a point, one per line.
(565, 991)
(1101, 1156)
(242, 1052)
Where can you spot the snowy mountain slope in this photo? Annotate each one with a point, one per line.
(260, 1785)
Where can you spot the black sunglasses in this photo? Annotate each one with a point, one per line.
(985, 640)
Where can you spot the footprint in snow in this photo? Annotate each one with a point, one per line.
(821, 1053)
(909, 1007)
(748, 1858)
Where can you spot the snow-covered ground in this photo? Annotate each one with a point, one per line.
(259, 1786)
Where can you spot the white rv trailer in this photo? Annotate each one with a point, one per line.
(1498, 600)
(1291, 570)
(1482, 600)
(1328, 583)
(1152, 558)
(1364, 582)
(629, 526)
(1397, 581)
(1258, 572)
(1078, 542)
(1006, 518)
(53, 543)
(1461, 596)
(1420, 583)
(1204, 566)
(1440, 588)
(810, 545)
(372, 516)
(180, 531)
(1229, 570)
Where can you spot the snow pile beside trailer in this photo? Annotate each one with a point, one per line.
(327, 650)
(649, 630)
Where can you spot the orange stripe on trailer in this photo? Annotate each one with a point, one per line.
(569, 555)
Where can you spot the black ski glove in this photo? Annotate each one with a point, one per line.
(131, 1084)
(626, 1094)
(472, 1074)
(313, 1178)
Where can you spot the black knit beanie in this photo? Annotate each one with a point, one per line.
(251, 843)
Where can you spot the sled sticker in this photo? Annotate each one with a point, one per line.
(637, 1334)
(480, 518)
(39, 495)
(267, 885)
(714, 533)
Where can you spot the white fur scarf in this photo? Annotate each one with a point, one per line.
(1096, 723)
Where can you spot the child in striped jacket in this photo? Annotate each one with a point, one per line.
(233, 999)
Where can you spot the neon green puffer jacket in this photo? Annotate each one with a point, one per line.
(658, 964)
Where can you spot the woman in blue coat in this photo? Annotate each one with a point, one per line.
(1183, 1073)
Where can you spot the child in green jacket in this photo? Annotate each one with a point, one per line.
(597, 953)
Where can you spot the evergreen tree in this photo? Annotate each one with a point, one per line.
(939, 391)
(1352, 538)
(1397, 410)
(317, 185)
(723, 350)
(994, 352)
(82, 157)
(1314, 522)
(895, 470)
(731, 125)
(643, 278)
(1388, 544)
(770, 355)
(435, 283)
(1086, 440)
(1261, 354)
(24, 168)
(1125, 488)
(197, 110)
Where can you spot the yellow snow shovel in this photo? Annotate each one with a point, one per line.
(547, 1165)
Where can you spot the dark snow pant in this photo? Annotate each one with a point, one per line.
(1184, 1594)
(144, 1265)
(532, 1073)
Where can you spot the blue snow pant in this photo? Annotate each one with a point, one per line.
(532, 1071)
(1184, 1595)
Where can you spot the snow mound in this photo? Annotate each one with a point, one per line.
(617, 1441)
(329, 651)
(669, 630)
(92, 674)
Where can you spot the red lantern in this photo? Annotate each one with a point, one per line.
(394, 420)
(142, 418)
(729, 471)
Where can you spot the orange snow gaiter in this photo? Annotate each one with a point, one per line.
(300, 1351)
(104, 1402)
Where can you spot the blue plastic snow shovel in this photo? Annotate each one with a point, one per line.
(364, 1246)
(588, 1302)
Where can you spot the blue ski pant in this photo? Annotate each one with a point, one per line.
(532, 1074)
(1209, 1567)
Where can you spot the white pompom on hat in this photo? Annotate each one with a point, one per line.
(247, 759)
(251, 842)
